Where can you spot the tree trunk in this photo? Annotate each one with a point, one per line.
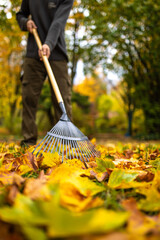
(130, 118)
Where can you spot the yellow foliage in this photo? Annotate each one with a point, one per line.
(69, 193)
(91, 87)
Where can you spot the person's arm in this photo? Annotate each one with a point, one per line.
(58, 23)
(22, 15)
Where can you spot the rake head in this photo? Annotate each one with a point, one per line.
(66, 139)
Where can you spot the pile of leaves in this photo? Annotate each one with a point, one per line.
(116, 197)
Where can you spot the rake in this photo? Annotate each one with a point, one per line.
(64, 138)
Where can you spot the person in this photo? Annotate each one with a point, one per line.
(49, 17)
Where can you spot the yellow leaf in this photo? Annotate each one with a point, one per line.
(151, 191)
(74, 200)
(24, 169)
(50, 160)
(64, 172)
(6, 178)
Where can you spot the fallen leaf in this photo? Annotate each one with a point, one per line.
(37, 189)
(72, 198)
(102, 176)
(152, 192)
(138, 223)
(120, 178)
(50, 160)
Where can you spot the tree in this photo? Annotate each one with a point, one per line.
(11, 51)
(92, 87)
(130, 30)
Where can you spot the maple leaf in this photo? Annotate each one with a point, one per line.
(121, 178)
(50, 160)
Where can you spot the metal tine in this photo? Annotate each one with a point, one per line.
(93, 151)
(57, 144)
(47, 144)
(66, 147)
(82, 152)
(50, 144)
(84, 160)
(72, 149)
(46, 139)
(90, 148)
(86, 149)
(62, 150)
(39, 143)
(54, 144)
(69, 150)
(60, 147)
(75, 149)
(78, 152)
(58, 140)
(86, 152)
(72, 153)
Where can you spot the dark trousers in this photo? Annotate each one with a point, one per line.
(33, 79)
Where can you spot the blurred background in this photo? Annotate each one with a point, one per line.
(113, 47)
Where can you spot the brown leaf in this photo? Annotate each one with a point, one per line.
(109, 171)
(12, 193)
(92, 164)
(157, 151)
(42, 176)
(138, 222)
(153, 156)
(18, 180)
(145, 176)
(29, 159)
(102, 176)
(8, 157)
(50, 170)
(128, 153)
(33, 161)
(36, 189)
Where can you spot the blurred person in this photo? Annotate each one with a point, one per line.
(49, 17)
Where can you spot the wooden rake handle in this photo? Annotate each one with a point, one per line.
(48, 68)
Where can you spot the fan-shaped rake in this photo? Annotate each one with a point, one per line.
(64, 138)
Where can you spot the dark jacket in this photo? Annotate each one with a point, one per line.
(50, 17)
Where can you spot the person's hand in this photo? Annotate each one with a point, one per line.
(45, 51)
(31, 25)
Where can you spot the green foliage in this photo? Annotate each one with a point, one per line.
(81, 119)
(132, 30)
(81, 100)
